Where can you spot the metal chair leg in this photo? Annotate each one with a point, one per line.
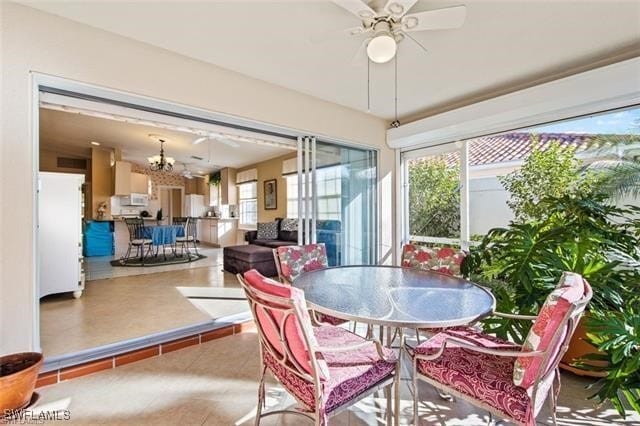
(261, 397)
(415, 394)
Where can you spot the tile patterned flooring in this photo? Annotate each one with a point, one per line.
(216, 383)
(135, 302)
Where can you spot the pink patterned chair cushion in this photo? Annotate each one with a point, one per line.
(569, 290)
(444, 260)
(350, 373)
(293, 329)
(486, 378)
(294, 260)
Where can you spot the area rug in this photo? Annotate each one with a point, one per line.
(157, 260)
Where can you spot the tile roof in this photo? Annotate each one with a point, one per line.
(516, 146)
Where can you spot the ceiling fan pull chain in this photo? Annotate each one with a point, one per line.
(395, 123)
(368, 84)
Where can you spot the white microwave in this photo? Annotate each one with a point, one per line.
(135, 200)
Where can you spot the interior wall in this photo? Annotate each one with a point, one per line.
(33, 41)
(101, 180)
(267, 170)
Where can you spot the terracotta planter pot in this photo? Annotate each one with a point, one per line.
(578, 348)
(18, 375)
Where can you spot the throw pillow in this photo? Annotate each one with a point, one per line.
(267, 231)
(568, 291)
(289, 224)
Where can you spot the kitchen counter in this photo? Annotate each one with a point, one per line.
(219, 218)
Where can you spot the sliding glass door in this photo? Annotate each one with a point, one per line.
(341, 209)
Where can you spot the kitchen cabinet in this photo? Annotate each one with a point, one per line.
(204, 231)
(218, 232)
(139, 183)
(228, 193)
(122, 178)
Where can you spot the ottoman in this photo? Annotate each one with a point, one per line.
(239, 259)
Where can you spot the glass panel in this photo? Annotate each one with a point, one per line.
(434, 198)
(551, 160)
(346, 203)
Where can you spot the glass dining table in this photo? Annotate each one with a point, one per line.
(395, 297)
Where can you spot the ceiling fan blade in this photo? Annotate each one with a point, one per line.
(361, 54)
(440, 19)
(398, 8)
(338, 34)
(357, 7)
(409, 36)
(199, 140)
(226, 141)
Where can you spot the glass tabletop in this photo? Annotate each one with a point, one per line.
(395, 296)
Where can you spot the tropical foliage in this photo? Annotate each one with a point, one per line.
(617, 336)
(552, 172)
(434, 197)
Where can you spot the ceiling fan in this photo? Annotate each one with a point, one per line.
(186, 173)
(389, 23)
(224, 140)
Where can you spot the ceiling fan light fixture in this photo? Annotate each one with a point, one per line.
(382, 48)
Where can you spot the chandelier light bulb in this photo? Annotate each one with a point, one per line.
(382, 48)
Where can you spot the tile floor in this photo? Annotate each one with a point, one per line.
(215, 384)
(142, 301)
(99, 267)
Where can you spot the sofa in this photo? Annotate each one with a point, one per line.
(327, 232)
(258, 254)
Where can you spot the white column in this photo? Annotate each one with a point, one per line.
(307, 193)
(464, 196)
(314, 191)
(299, 171)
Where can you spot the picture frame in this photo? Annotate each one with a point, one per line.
(271, 194)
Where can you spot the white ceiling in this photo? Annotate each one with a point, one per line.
(502, 44)
(72, 134)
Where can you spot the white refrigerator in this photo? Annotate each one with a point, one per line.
(194, 205)
(60, 212)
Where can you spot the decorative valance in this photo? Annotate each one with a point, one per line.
(250, 175)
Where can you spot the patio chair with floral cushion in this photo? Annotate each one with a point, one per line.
(444, 260)
(506, 379)
(326, 368)
(439, 259)
(291, 261)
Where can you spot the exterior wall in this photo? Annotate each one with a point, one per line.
(267, 170)
(487, 205)
(33, 41)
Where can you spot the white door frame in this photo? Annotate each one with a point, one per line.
(64, 84)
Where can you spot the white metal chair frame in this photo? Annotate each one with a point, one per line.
(256, 300)
(314, 314)
(543, 375)
(190, 236)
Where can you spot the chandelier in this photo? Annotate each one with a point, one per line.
(160, 162)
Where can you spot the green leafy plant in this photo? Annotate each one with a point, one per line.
(522, 263)
(434, 198)
(618, 163)
(617, 335)
(215, 178)
(552, 172)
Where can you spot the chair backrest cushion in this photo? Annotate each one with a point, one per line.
(294, 260)
(296, 327)
(440, 259)
(552, 316)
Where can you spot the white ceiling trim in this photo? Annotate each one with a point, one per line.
(609, 87)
